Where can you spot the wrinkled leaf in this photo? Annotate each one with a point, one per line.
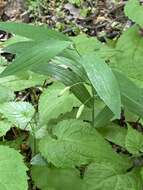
(19, 113)
(104, 176)
(75, 143)
(56, 179)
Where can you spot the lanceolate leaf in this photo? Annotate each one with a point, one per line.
(134, 10)
(39, 53)
(131, 95)
(74, 143)
(37, 33)
(104, 82)
(68, 78)
(104, 176)
(12, 170)
(56, 179)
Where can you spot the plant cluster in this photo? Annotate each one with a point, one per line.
(86, 131)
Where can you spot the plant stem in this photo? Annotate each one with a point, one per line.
(93, 108)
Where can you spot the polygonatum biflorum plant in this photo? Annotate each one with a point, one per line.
(85, 128)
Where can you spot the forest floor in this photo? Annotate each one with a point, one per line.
(101, 18)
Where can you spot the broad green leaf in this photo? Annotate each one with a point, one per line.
(129, 50)
(85, 44)
(134, 141)
(56, 179)
(12, 170)
(52, 104)
(38, 33)
(74, 143)
(35, 55)
(131, 95)
(6, 94)
(4, 127)
(104, 176)
(19, 113)
(134, 11)
(18, 83)
(114, 133)
(104, 82)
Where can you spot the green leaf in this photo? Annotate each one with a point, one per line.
(12, 170)
(85, 44)
(134, 141)
(74, 143)
(134, 11)
(103, 117)
(104, 82)
(52, 104)
(38, 33)
(131, 95)
(56, 179)
(104, 176)
(35, 55)
(18, 83)
(114, 133)
(129, 50)
(4, 127)
(68, 78)
(6, 94)
(19, 113)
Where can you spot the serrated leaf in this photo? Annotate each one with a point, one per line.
(128, 57)
(134, 11)
(19, 113)
(104, 82)
(74, 143)
(104, 176)
(12, 169)
(52, 104)
(56, 179)
(134, 141)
